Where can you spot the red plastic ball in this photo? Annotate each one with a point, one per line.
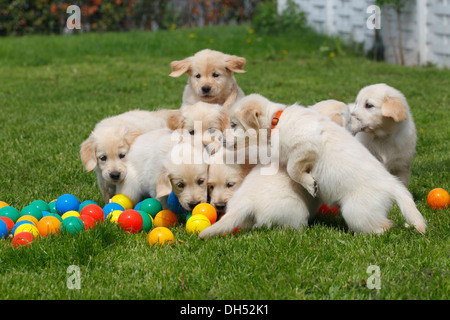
(22, 239)
(95, 211)
(325, 210)
(88, 221)
(9, 223)
(131, 221)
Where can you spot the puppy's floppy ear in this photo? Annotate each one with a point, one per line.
(87, 154)
(250, 115)
(163, 185)
(223, 120)
(235, 64)
(130, 135)
(175, 121)
(180, 67)
(338, 119)
(395, 108)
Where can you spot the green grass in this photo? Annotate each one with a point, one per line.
(54, 89)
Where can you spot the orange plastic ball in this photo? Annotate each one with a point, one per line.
(165, 218)
(3, 204)
(160, 235)
(48, 225)
(438, 198)
(207, 210)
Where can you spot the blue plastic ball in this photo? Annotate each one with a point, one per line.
(174, 204)
(110, 207)
(3, 229)
(67, 202)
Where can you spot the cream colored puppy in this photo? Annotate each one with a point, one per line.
(265, 201)
(330, 163)
(106, 148)
(388, 129)
(211, 77)
(339, 113)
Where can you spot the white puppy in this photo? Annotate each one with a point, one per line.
(339, 113)
(265, 201)
(330, 163)
(388, 129)
(105, 150)
(211, 77)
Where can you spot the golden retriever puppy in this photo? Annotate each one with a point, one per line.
(208, 120)
(330, 163)
(265, 200)
(339, 113)
(211, 77)
(388, 129)
(223, 181)
(105, 150)
(185, 171)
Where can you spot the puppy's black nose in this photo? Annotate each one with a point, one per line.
(115, 175)
(206, 89)
(220, 205)
(192, 204)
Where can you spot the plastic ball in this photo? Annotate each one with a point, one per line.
(114, 216)
(151, 206)
(67, 202)
(40, 205)
(131, 221)
(161, 236)
(9, 223)
(85, 203)
(10, 212)
(88, 221)
(72, 225)
(32, 219)
(3, 204)
(27, 227)
(147, 221)
(19, 223)
(48, 225)
(3, 229)
(95, 211)
(71, 213)
(32, 211)
(438, 198)
(110, 207)
(197, 223)
(22, 239)
(174, 204)
(207, 210)
(124, 201)
(52, 206)
(165, 218)
(326, 210)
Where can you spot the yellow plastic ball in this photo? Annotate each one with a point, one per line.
(165, 218)
(113, 216)
(160, 235)
(3, 204)
(197, 223)
(27, 228)
(70, 214)
(124, 201)
(28, 217)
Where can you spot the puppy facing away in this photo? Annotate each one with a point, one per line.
(211, 77)
(187, 178)
(339, 113)
(106, 148)
(265, 200)
(330, 163)
(388, 129)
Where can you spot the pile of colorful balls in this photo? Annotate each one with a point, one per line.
(66, 215)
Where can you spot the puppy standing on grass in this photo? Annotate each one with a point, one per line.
(211, 77)
(329, 163)
(388, 129)
(106, 148)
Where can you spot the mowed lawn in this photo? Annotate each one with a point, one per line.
(54, 89)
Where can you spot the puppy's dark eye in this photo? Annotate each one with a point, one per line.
(103, 158)
(211, 188)
(215, 75)
(122, 155)
(198, 75)
(368, 105)
(191, 132)
(200, 181)
(230, 184)
(180, 185)
(233, 125)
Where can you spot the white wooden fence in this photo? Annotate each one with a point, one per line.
(425, 27)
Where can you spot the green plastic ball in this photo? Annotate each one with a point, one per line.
(72, 225)
(151, 206)
(147, 221)
(40, 204)
(32, 211)
(10, 212)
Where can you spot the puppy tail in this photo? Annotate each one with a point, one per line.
(405, 201)
(231, 220)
